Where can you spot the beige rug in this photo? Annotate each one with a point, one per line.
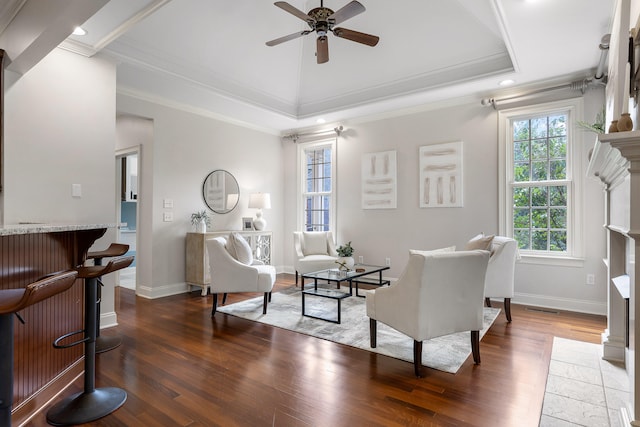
(446, 353)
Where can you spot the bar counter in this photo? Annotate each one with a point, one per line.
(28, 252)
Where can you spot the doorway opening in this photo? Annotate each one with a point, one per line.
(127, 173)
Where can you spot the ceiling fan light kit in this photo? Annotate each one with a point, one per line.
(322, 20)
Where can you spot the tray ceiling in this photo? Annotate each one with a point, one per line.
(211, 54)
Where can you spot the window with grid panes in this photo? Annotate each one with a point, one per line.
(318, 186)
(540, 185)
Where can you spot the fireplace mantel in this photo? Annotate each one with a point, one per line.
(615, 161)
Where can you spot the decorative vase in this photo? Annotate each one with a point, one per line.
(625, 123)
(201, 226)
(613, 127)
(346, 263)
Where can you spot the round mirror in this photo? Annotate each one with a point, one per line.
(220, 191)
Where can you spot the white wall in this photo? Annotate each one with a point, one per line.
(59, 131)
(186, 147)
(378, 234)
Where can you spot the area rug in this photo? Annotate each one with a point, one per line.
(446, 353)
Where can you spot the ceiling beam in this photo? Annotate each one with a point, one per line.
(40, 26)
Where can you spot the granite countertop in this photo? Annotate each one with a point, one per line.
(32, 228)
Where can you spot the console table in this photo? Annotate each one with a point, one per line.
(197, 258)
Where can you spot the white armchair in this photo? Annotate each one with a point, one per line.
(313, 251)
(437, 294)
(228, 274)
(499, 282)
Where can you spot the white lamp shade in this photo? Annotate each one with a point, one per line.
(260, 201)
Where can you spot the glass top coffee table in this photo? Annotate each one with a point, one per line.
(354, 276)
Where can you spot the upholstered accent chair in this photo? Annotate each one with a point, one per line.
(313, 251)
(233, 269)
(438, 294)
(499, 282)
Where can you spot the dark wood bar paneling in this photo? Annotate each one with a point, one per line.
(23, 259)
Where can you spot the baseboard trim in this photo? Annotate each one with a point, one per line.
(559, 303)
(23, 413)
(108, 320)
(162, 291)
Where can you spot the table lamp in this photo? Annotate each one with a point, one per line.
(260, 201)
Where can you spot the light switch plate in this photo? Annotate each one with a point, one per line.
(168, 203)
(76, 190)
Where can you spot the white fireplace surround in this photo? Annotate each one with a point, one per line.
(615, 161)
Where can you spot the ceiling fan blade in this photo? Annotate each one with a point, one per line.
(356, 36)
(322, 49)
(349, 11)
(287, 38)
(294, 11)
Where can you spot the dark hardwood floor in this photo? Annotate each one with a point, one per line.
(182, 368)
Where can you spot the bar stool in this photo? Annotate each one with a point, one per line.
(12, 301)
(92, 403)
(115, 249)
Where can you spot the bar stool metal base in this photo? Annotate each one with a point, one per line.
(104, 344)
(82, 407)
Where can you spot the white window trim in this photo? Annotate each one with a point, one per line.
(575, 231)
(301, 177)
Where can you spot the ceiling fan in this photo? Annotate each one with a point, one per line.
(322, 20)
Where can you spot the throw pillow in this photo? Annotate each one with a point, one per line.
(481, 242)
(420, 252)
(238, 248)
(315, 243)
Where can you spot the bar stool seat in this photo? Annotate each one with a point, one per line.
(92, 403)
(106, 343)
(114, 250)
(12, 301)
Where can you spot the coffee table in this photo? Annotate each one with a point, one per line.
(338, 276)
(352, 277)
(324, 293)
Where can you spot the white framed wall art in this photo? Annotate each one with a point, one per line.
(441, 175)
(379, 180)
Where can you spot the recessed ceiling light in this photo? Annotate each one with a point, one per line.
(79, 31)
(506, 82)
(320, 121)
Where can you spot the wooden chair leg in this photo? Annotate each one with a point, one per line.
(215, 305)
(296, 277)
(373, 332)
(269, 296)
(487, 302)
(224, 298)
(417, 358)
(264, 303)
(507, 309)
(475, 346)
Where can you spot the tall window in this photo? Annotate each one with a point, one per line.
(540, 186)
(318, 186)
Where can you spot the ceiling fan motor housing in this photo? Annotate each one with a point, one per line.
(320, 20)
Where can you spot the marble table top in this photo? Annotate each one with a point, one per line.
(33, 228)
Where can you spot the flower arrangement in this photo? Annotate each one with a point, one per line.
(345, 250)
(200, 216)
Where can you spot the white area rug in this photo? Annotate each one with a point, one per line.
(445, 353)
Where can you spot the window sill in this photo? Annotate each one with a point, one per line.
(562, 261)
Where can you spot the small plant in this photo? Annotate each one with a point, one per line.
(597, 126)
(345, 250)
(200, 216)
